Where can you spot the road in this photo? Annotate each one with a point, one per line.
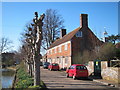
(57, 80)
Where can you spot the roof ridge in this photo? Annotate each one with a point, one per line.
(71, 31)
(65, 38)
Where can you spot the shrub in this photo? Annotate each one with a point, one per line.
(24, 80)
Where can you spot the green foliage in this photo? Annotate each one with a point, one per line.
(107, 51)
(118, 53)
(8, 59)
(24, 79)
(34, 87)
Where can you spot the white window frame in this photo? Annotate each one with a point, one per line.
(65, 47)
(55, 50)
(60, 49)
(66, 60)
(79, 34)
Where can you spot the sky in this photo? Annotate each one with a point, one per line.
(101, 16)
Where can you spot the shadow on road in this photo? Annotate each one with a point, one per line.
(77, 89)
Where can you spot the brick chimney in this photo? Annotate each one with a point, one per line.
(84, 20)
(63, 32)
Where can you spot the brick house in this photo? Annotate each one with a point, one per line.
(66, 50)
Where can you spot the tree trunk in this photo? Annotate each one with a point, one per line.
(30, 70)
(36, 70)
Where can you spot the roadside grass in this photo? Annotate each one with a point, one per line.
(24, 80)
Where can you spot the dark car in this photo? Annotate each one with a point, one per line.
(77, 71)
(53, 66)
(45, 65)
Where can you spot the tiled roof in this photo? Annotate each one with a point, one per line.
(65, 38)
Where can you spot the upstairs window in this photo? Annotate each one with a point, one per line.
(51, 51)
(65, 47)
(60, 49)
(55, 50)
(79, 34)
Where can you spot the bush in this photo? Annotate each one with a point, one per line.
(24, 80)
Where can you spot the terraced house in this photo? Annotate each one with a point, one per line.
(68, 49)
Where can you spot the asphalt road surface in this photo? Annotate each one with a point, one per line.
(58, 80)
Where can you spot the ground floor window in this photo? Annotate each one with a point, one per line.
(66, 60)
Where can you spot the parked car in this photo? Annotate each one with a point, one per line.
(41, 64)
(45, 65)
(53, 66)
(77, 71)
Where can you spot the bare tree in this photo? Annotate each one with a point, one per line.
(53, 22)
(32, 45)
(5, 44)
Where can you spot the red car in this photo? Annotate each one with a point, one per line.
(53, 66)
(77, 71)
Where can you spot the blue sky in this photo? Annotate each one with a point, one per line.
(100, 15)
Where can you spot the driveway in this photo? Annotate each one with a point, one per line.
(58, 80)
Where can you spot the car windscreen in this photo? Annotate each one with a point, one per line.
(81, 67)
(54, 64)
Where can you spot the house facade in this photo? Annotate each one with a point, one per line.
(68, 49)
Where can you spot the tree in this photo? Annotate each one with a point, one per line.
(118, 53)
(106, 52)
(5, 44)
(8, 59)
(53, 22)
(32, 45)
(113, 38)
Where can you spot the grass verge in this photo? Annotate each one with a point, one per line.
(24, 80)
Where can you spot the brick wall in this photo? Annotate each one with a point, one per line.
(60, 55)
(87, 42)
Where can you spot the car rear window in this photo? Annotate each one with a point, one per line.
(55, 64)
(72, 67)
(81, 67)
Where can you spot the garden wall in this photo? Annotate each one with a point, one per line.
(107, 73)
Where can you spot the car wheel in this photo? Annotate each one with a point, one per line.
(74, 78)
(67, 75)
